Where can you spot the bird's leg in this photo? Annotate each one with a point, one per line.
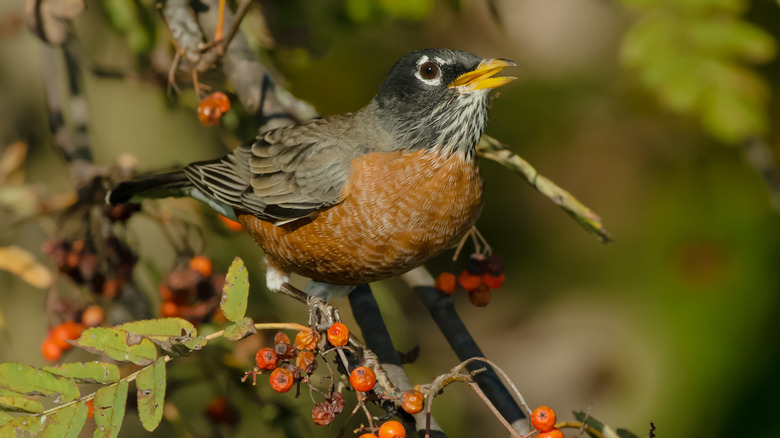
(321, 314)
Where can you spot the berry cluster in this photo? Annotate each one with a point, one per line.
(212, 108)
(543, 419)
(481, 275)
(192, 291)
(56, 341)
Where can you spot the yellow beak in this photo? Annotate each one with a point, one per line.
(482, 77)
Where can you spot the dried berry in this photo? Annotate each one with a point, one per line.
(338, 334)
(282, 346)
(392, 429)
(306, 361)
(336, 400)
(322, 414)
(306, 340)
(543, 418)
(362, 379)
(281, 379)
(266, 359)
(446, 283)
(412, 401)
(494, 265)
(480, 296)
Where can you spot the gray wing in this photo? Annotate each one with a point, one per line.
(287, 173)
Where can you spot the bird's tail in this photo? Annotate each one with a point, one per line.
(161, 185)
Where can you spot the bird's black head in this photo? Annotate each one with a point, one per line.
(437, 98)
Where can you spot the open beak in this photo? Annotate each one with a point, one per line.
(482, 77)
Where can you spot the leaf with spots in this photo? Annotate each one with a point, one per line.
(164, 331)
(241, 329)
(236, 291)
(87, 372)
(110, 409)
(118, 345)
(66, 422)
(20, 404)
(24, 379)
(17, 426)
(151, 394)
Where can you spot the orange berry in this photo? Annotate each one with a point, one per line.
(306, 340)
(93, 316)
(221, 100)
(412, 401)
(492, 281)
(266, 359)
(392, 429)
(90, 409)
(165, 292)
(469, 281)
(202, 264)
(368, 435)
(480, 296)
(170, 309)
(543, 418)
(306, 361)
(446, 282)
(74, 329)
(555, 433)
(338, 334)
(281, 379)
(231, 224)
(362, 379)
(59, 336)
(50, 350)
(209, 113)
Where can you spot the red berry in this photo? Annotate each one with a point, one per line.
(543, 418)
(93, 316)
(480, 296)
(362, 379)
(202, 264)
(469, 281)
(266, 359)
(221, 100)
(306, 362)
(281, 379)
(306, 340)
(368, 435)
(209, 113)
(50, 350)
(412, 401)
(555, 433)
(322, 414)
(392, 429)
(338, 335)
(446, 282)
(492, 281)
(59, 336)
(170, 309)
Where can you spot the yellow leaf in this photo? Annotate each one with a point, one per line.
(20, 262)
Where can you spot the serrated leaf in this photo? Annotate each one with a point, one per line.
(118, 345)
(109, 404)
(25, 379)
(241, 329)
(164, 331)
(17, 426)
(20, 404)
(66, 422)
(24, 265)
(151, 394)
(236, 291)
(87, 372)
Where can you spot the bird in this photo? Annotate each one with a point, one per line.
(360, 197)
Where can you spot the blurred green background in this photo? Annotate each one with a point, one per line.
(673, 323)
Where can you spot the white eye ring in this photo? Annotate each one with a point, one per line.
(428, 71)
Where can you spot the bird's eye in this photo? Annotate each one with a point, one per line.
(429, 70)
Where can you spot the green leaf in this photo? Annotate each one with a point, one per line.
(241, 329)
(236, 291)
(5, 418)
(110, 409)
(20, 404)
(87, 372)
(164, 331)
(25, 379)
(66, 422)
(17, 426)
(118, 345)
(151, 394)
(195, 343)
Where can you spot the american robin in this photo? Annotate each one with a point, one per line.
(355, 198)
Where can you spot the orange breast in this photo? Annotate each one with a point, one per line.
(400, 209)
